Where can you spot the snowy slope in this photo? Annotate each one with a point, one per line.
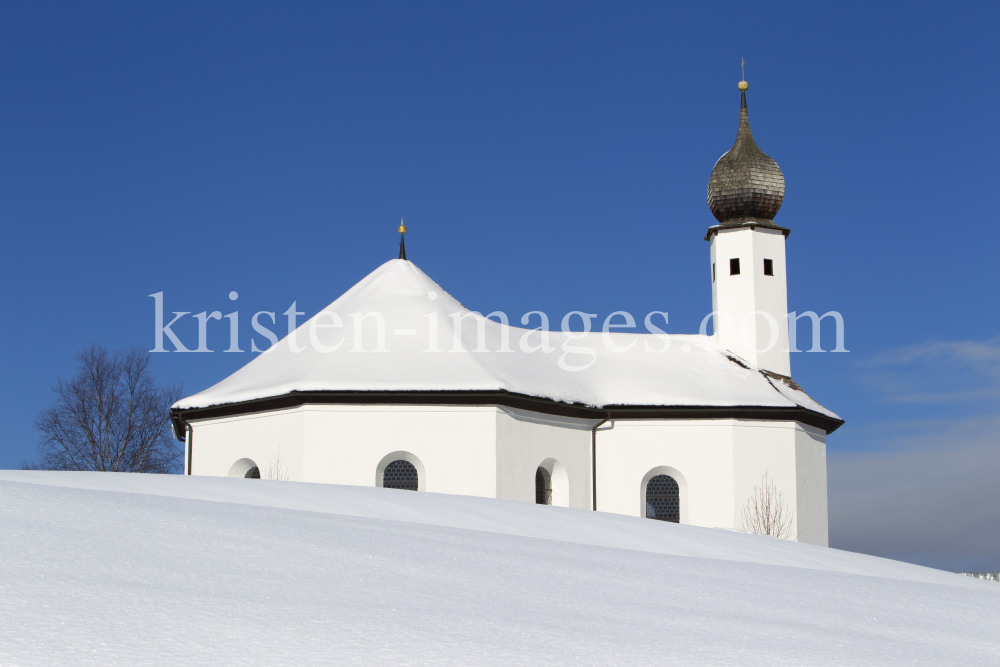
(612, 369)
(103, 569)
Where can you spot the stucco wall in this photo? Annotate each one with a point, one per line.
(764, 447)
(811, 506)
(494, 452)
(526, 440)
(341, 444)
(455, 444)
(736, 298)
(794, 457)
(219, 443)
(700, 452)
(717, 464)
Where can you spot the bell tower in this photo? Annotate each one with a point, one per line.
(749, 289)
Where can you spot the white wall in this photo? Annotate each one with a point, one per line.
(810, 485)
(527, 439)
(477, 451)
(701, 451)
(735, 299)
(794, 457)
(717, 464)
(343, 444)
(494, 452)
(764, 447)
(218, 443)
(455, 444)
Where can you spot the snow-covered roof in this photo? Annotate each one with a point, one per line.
(419, 354)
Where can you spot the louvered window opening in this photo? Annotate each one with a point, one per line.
(663, 499)
(543, 487)
(253, 473)
(400, 475)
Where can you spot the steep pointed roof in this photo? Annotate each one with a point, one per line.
(420, 324)
(746, 185)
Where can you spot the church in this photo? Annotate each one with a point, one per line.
(398, 385)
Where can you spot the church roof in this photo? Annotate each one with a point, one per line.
(746, 185)
(693, 370)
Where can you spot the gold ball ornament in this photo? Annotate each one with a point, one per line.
(743, 85)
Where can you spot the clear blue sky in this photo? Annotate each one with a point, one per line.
(546, 156)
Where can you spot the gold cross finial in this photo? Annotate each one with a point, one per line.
(402, 227)
(743, 85)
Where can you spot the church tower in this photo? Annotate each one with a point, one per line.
(749, 291)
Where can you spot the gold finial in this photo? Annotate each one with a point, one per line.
(743, 85)
(402, 227)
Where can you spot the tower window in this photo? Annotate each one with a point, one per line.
(768, 267)
(734, 267)
(713, 272)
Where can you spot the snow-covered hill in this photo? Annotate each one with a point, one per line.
(105, 569)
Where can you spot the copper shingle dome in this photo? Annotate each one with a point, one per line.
(746, 185)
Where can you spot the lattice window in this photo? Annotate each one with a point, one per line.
(400, 475)
(253, 473)
(663, 499)
(543, 487)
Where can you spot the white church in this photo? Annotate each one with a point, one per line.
(397, 385)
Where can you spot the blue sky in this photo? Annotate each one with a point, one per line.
(546, 156)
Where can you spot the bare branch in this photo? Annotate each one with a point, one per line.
(276, 469)
(110, 416)
(765, 512)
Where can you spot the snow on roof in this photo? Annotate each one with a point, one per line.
(793, 392)
(339, 349)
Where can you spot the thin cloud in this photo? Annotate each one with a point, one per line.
(932, 498)
(936, 372)
(929, 494)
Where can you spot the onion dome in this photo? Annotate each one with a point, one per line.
(746, 187)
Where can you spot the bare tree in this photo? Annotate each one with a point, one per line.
(111, 416)
(276, 469)
(765, 512)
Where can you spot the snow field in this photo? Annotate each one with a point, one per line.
(105, 569)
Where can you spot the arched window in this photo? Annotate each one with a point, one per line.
(663, 499)
(400, 474)
(543, 487)
(246, 468)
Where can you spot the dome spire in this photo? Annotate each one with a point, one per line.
(746, 187)
(402, 244)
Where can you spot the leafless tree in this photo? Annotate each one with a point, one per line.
(765, 512)
(111, 416)
(276, 469)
